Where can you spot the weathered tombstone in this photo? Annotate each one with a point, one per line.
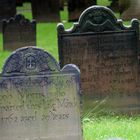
(38, 100)
(76, 7)
(106, 53)
(129, 9)
(18, 32)
(46, 10)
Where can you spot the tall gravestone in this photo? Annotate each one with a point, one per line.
(107, 54)
(18, 32)
(46, 10)
(76, 7)
(130, 9)
(38, 100)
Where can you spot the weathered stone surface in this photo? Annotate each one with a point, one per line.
(46, 10)
(107, 55)
(38, 100)
(18, 32)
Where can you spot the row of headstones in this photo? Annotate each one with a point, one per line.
(40, 101)
(46, 11)
(99, 37)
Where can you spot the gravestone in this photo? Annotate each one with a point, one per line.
(46, 10)
(18, 32)
(130, 9)
(38, 100)
(107, 54)
(8, 9)
(76, 7)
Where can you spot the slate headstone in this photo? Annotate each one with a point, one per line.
(46, 10)
(107, 54)
(38, 100)
(76, 7)
(18, 32)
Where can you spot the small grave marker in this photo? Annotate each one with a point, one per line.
(18, 32)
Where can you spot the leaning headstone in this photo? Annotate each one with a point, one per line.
(18, 32)
(38, 100)
(76, 7)
(130, 9)
(46, 10)
(107, 55)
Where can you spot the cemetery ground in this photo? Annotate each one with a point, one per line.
(95, 125)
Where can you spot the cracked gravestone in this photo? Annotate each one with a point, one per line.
(38, 100)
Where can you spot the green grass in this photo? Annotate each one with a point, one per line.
(102, 128)
(95, 128)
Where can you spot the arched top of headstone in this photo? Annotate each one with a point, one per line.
(19, 19)
(98, 19)
(30, 60)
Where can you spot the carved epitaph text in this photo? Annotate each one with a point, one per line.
(44, 104)
(106, 53)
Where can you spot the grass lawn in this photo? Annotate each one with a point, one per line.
(102, 128)
(94, 128)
